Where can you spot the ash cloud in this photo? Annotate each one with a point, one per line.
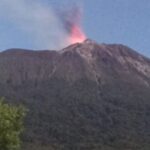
(70, 17)
(46, 28)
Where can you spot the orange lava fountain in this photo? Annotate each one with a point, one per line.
(71, 21)
(76, 36)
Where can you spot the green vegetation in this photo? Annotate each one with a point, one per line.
(11, 125)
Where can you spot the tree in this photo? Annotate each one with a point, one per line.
(11, 125)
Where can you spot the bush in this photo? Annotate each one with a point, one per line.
(11, 125)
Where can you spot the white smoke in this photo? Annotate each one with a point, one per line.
(37, 20)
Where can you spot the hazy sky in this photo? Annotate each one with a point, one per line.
(32, 24)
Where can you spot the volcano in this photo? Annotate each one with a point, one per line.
(87, 96)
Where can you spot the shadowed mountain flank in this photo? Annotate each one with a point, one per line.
(87, 96)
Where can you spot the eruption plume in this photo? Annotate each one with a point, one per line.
(71, 20)
(41, 26)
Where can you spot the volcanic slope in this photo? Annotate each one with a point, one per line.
(87, 96)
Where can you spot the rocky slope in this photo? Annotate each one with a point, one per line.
(86, 96)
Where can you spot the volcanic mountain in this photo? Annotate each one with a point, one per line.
(87, 96)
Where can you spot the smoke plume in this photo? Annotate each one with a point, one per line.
(47, 28)
(71, 20)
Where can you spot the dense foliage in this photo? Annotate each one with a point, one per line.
(11, 126)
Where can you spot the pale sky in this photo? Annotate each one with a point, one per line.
(32, 24)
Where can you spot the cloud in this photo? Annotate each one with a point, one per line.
(37, 20)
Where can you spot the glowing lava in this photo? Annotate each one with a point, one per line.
(71, 21)
(76, 36)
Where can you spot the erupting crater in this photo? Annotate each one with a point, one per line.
(77, 36)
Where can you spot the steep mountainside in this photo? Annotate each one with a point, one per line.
(84, 97)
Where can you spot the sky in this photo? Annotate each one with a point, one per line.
(33, 24)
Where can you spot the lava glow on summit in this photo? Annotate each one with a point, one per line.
(71, 20)
(76, 35)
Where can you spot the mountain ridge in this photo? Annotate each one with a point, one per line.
(87, 52)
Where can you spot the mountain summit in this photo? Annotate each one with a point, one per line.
(81, 60)
(86, 96)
